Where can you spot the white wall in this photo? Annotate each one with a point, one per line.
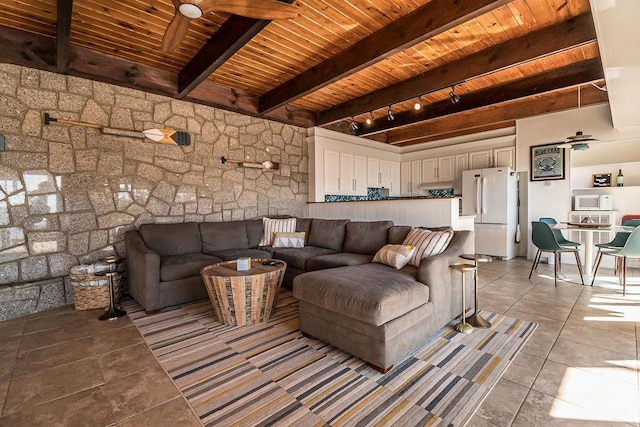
(617, 149)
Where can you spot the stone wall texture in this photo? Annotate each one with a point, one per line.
(68, 193)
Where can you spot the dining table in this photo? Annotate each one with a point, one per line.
(589, 229)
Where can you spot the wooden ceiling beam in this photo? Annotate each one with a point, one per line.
(232, 35)
(435, 17)
(547, 41)
(63, 35)
(562, 77)
(514, 110)
(31, 50)
(458, 131)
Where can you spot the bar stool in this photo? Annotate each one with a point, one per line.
(475, 319)
(463, 326)
(113, 312)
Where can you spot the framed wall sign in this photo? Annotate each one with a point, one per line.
(547, 162)
(602, 180)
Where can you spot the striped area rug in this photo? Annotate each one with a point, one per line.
(269, 374)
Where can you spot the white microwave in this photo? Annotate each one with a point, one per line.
(592, 202)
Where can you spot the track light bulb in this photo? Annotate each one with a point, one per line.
(390, 115)
(368, 121)
(418, 105)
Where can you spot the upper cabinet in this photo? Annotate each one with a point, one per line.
(410, 177)
(344, 173)
(497, 157)
(394, 185)
(373, 172)
(331, 161)
(438, 169)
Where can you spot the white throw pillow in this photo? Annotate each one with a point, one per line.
(427, 243)
(396, 256)
(271, 225)
(285, 239)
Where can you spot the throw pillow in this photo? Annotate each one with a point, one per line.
(271, 225)
(427, 243)
(396, 256)
(285, 239)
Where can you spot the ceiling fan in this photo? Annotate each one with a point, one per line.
(186, 10)
(579, 141)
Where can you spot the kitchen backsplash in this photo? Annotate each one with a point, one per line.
(374, 194)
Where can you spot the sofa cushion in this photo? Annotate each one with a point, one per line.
(182, 266)
(254, 231)
(172, 239)
(271, 225)
(283, 239)
(336, 260)
(327, 233)
(372, 293)
(304, 224)
(396, 256)
(398, 233)
(220, 236)
(233, 254)
(366, 237)
(427, 243)
(297, 257)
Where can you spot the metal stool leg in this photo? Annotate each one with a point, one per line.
(113, 312)
(463, 326)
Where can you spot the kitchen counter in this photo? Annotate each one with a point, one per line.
(414, 211)
(393, 198)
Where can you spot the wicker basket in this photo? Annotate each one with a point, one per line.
(92, 292)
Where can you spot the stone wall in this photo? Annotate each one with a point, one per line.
(68, 193)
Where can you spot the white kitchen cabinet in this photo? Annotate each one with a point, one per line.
(438, 169)
(353, 175)
(430, 170)
(445, 168)
(394, 185)
(385, 173)
(416, 176)
(405, 178)
(373, 172)
(497, 157)
(480, 159)
(504, 157)
(331, 172)
(360, 175)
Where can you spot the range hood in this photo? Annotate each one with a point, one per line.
(436, 185)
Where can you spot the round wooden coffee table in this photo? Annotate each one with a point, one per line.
(243, 297)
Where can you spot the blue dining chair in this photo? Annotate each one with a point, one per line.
(631, 249)
(562, 241)
(544, 239)
(610, 248)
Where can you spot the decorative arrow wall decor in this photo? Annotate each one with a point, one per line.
(267, 164)
(163, 136)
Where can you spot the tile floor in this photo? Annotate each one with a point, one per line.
(581, 367)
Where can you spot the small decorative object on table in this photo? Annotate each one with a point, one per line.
(463, 326)
(243, 264)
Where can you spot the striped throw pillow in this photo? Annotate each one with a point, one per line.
(285, 239)
(427, 243)
(271, 225)
(396, 256)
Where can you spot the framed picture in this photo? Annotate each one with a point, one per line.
(602, 180)
(547, 162)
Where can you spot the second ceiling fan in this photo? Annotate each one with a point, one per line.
(186, 10)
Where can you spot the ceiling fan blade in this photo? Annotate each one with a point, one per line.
(175, 32)
(258, 9)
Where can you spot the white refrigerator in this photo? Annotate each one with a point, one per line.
(492, 196)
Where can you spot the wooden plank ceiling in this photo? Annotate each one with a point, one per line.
(337, 62)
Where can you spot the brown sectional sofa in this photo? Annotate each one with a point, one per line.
(370, 310)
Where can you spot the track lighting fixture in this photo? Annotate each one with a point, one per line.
(418, 105)
(354, 125)
(452, 95)
(390, 115)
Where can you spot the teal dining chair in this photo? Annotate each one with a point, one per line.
(631, 249)
(544, 239)
(562, 241)
(613, 246)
